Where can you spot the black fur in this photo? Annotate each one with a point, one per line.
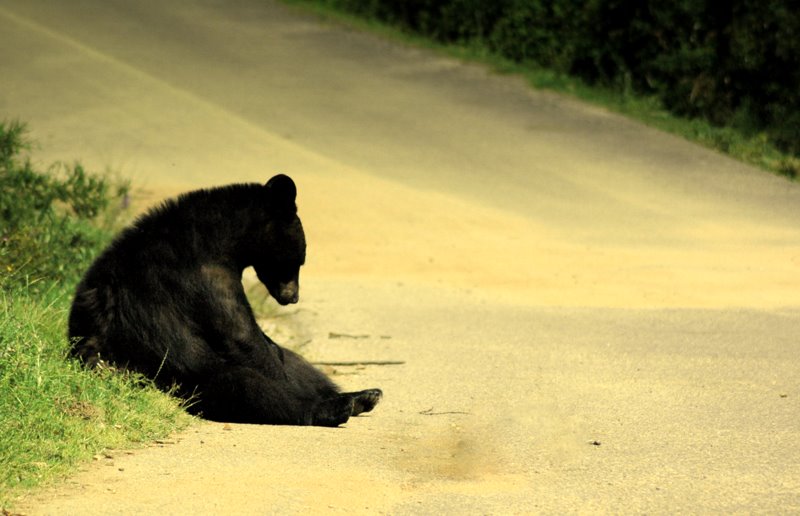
(166, 299)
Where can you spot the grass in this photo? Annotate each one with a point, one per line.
(55, 415)
(748, 147)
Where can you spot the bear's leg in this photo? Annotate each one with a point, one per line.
(244, 395)
(309, 378)
(332, 412)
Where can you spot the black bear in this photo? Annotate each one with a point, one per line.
(166, 299)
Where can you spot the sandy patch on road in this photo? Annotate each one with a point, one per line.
(362, 226)
(370, 227)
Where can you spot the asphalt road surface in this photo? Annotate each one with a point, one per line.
(580, 314)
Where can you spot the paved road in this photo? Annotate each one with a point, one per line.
(592, 316)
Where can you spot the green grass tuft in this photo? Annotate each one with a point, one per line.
(53, 413)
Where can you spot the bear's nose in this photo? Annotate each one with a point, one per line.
(290, 293)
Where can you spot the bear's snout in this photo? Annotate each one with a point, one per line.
(288, 293)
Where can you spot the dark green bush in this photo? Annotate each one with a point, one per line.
(732, 63)
(45, 229)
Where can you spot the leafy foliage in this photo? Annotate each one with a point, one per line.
(43, 216)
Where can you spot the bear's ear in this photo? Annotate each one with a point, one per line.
(282, 193)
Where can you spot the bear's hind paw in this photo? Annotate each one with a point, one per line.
(364, 401)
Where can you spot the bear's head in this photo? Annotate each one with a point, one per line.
(278, 263)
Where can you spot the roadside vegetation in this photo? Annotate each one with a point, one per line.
(54, 414)
(725, 75)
